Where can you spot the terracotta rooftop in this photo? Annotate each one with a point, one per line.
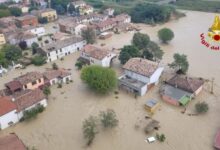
(14, 85)
(11, 142)
(105, 23)
(6, 106)
(26, 17)
(27, 98)
(141, 66)
(95, 52)
(29, 77)
(51, 74)
(186, 83)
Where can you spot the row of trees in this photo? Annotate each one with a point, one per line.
(5, 11)
(107, 118)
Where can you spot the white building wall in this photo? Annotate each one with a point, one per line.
(137, 76)
(155, 77)
(31, 41)
(143, 90)
(42, 102)
(7, 118)
(57, 54)
(40, 31)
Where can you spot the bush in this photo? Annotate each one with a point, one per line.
(201, 107)
(54, 66)
(100, 79)
(161, 137)
(79, 65)
(38, 60)
(47, 91)
(23, 45)
(165, 35)
(108, 119)
(32, 113)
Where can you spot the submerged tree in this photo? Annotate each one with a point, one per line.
(201, 107)
(165, 35)
(127, 52)
(89, 35)
(140, 40)
(180, 63)
(90, 129)
(108, 118)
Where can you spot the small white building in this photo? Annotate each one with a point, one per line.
(109, 12)
(12, 108)
(140, 75)
(96, 56)
(57, 76)
(8, 113)
(62, 48)
(38, 31)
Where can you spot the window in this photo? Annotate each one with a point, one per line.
(39, 80)
(34, 82)
(25, 87)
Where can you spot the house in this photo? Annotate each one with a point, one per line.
(38, 31)
(11, 142)
(7, 22)
(41, 4)
(180, 89)
(96, 56)
(68, 25)
(8, 113)
(78, 3)
(152, 105)
(30, 80)
(27, 20)
(57, 76)
(93, 17)
(140, 75)
(60, 36)
(19, 36)
(85, 10)
(62, 48)
(50, 14)
(2, 39)
(28, 99)
(122, 18)
(109, 12)
(105, 25)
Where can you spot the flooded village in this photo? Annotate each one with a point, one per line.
(163, 99)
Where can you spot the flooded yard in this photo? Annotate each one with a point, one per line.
(60, 126)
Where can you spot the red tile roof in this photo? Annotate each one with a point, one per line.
(186, 83)
(29, 77)
(27, 98)
(52, 74)
(217, 140)
(141, 66)
(6, 105)
(11, 142)
(14, 85)
(95, 52)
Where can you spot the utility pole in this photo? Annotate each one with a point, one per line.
(212, 85)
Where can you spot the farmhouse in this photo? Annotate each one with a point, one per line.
(48, 13)
(180, 89)
(105, 25)
(57, 76)
(62, 48)
(97, 56)
(38, 31)
(140, 75)
(31, 80)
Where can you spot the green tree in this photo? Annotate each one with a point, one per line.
(38, 60)
(161, 137)
(23, 45)
(180, 63)
(34, 47)
(43, 20)
(4, 13)
(165, 35)
(89, 35)
(71, 9)
(140, 40)
(60, 9)
(100, 79)
(15, 11)
(47, 91)
(127, 52)
(201, 107)
(108, 118)
(148, 55)
(79, 64)
(90, 129)
(12, 52)
(155, 50)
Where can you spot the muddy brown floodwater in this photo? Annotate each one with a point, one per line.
(60, 126)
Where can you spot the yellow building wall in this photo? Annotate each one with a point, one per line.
(51, 16)
(35, 86)
(2, 39)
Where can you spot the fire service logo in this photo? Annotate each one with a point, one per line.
(212, 39)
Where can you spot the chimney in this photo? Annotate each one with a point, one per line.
(13, 99)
